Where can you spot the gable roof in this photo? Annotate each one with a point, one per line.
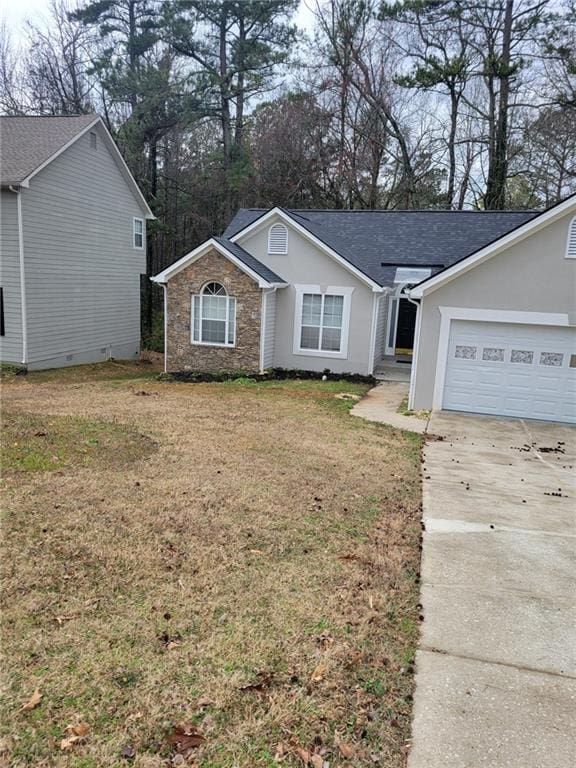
(246, 258)
(259, 272)
(28, 144)
(519, 233)
(377, 242)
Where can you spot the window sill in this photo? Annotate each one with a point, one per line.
(320, 353)
(210, 344)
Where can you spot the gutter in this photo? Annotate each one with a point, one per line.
(18, 193)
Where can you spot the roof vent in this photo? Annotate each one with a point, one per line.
(278, 239)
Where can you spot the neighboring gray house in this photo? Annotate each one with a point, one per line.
(480, 305)
(72, 244)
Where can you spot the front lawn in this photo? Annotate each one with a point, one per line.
(215, 575)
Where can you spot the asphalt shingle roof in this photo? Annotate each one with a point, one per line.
(249, 260)
(27, 142)
(376, 242)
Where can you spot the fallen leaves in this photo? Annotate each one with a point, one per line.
(319, 673)
(264, 679)
(77, 733)
(303, 754)
(128, 752)
(313, 759)
(32, 702)
(185, 738)
(346, 750)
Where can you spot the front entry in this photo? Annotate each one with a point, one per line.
(406, 325)
(401, 326)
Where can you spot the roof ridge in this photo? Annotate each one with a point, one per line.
(48, 117)
(405, 210)
(299, 211)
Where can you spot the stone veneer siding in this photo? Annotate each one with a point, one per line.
(182, 355)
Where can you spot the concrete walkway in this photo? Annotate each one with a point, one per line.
(496, 669)
(381, 404)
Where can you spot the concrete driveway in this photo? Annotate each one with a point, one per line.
(496, 669)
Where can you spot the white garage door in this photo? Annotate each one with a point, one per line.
(512, 370)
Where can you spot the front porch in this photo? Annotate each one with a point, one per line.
(393, 368)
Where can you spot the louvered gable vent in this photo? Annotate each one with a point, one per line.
(278, 239)
(571, 245)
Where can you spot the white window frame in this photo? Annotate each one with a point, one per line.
(274, 252)
(330, 290)
(134, 233)
(571, 241)
(198, 297)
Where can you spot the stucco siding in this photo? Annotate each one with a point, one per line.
(11, 342)
(306, 264)
(269, 329)
(531, 276)
(82, 271)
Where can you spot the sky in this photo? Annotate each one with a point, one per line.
(15, 12)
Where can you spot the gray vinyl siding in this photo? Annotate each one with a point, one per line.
(11, 342)
(82, 271)
(381, 328)
(269, 329)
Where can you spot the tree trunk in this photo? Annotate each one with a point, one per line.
(225, 119)
(450, 190)
(495, 197)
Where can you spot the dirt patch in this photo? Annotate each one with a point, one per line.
(246, 593)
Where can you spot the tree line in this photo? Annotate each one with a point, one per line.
(218, 104)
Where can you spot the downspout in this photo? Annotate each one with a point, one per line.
(18, 193)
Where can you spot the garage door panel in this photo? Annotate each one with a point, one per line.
(514, 370)
(490, 378)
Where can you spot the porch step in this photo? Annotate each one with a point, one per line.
(393, 374)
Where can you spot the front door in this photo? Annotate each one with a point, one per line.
(406, 325)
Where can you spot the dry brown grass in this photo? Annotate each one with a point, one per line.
(255, 575)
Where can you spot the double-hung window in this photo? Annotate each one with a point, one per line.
(322, 321)
(214, 316)
(138, 233)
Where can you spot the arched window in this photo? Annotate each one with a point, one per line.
(214, 316)
(571, 244)
(278, 239)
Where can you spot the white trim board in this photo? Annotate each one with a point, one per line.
(22, 269)
(448, 314)
(202, 250)
(506, 241)
(260, 222)
(415, 352)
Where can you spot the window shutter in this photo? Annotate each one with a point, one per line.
(278, 239)
(571, 245)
